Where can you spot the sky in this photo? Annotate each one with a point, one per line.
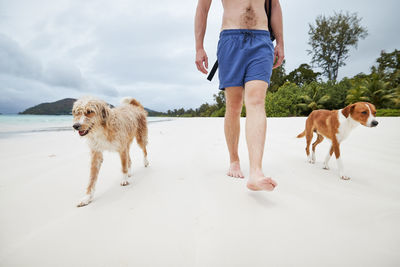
(54, 49)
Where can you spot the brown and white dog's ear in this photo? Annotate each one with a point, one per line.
(348, 110)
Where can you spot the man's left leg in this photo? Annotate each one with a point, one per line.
(256, 125)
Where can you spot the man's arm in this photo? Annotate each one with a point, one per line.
(200, 24)
(277, 27)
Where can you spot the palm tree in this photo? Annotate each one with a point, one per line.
(371, 89)
(357, 94)
(313, 99)
(395, 97)
(377, 91)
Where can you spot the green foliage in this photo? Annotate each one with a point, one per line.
(388, 68)
(395, 97)
(283, 103)
(314, 97)
(243, 113)
(302, 75)
(356, 94)
(371, 89)
(388, 113)
(278, 78)
(219, 112)
(303, 92)
(331, 39)
(205, 110)
(337, 93)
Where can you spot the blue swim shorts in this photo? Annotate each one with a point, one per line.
(244, 55)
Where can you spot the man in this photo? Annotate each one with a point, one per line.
(245, 56)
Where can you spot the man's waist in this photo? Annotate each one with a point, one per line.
(226, 32)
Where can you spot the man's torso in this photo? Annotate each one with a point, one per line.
(244, 14)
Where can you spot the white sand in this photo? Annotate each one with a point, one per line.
(184, 211)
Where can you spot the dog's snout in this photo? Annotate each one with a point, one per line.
(76, 126)
(374, 123)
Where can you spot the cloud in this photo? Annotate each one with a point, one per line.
(14, 61)
(26, 80)
(61, 73)
(145, 49)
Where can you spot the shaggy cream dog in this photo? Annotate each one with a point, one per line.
(111, 129)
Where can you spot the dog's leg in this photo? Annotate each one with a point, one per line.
(124, 162)
(309, 136)
(129, 165)
(336, 149)
(97, 159)
(327, 158)
(320, 138)
(129, 159)
(141, 139)
(145, 160)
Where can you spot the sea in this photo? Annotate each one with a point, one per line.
(15, 124)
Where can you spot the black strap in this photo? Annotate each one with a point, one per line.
(268, 9)
(212, 71)
(271, 34)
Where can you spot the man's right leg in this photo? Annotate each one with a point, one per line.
(234, 103)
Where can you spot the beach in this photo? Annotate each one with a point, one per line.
(184, 211)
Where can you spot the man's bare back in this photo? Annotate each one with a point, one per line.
(244, 14)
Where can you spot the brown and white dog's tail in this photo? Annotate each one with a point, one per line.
(131, 101)
(302, 134)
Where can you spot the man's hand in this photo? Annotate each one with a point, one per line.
(202, 61)
(279, 56)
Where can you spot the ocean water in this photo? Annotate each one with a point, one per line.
(19, 124)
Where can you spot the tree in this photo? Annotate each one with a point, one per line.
(302, 75)
(283, 102)
(388, 67)
(395, 97)
(331, 39)
(220, 99)
(314, 98)
(337, 93)
(357, 94)
(371, 89)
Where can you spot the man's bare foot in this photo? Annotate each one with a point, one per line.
(234, 170)
(260, 182)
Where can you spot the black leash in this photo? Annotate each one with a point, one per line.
(271, 34)
(212, 71)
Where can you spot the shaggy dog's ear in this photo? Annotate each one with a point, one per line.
(348, 110)
(105, 113)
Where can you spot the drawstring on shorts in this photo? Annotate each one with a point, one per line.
(247, 35)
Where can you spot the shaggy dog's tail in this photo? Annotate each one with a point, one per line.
(302, 134)
(131, 101)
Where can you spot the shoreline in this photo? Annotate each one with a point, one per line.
(10, 129)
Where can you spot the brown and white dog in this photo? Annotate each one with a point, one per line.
(111, 129)
(336, 126)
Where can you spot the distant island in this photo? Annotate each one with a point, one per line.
(60, 107)
(63, 107)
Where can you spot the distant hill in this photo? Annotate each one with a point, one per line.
(60, 107)
(64, 107)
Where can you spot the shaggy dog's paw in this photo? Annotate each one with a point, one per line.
(344, 177)
(326, 167)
